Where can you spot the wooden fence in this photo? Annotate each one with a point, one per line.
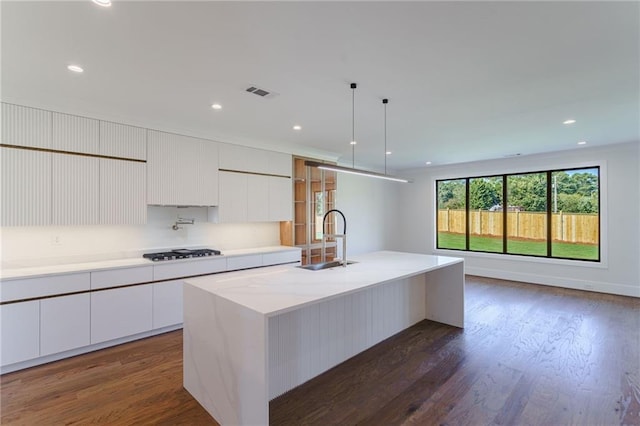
(566, 227)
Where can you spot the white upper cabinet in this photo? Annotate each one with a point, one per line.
(258, 198)
(251, 160)
(234, 157)
(26, 188)
(181, 171)
(120, 140)
(75, 196)
(75, 134)
(248, 197)
(280, 199)
(278, 163)
(263, 177)
(26, 126)
(122, 192)
(233, 197)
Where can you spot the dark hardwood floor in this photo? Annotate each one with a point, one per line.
(529, 355)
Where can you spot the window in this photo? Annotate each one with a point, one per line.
(575, 219)
(527, 214)
(485, 214)
(554, 213)
(452, 214)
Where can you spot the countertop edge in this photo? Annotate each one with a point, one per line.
(11, 274)
(267, 314)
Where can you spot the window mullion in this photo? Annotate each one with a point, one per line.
(549, 213)
(468, 215)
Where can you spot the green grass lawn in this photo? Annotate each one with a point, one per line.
(536, 248)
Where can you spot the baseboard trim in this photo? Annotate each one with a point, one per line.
(577, 284)
(83, 350)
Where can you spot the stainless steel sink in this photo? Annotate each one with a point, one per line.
(324, 265)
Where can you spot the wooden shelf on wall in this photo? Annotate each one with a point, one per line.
(307, 183)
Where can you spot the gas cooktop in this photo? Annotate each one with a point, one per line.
(181, 254)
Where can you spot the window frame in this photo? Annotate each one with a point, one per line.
(548, 258)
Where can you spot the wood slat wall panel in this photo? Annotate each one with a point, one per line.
(120, 140)
(75, 190)
(75, 134)
(26, 126)
(26, 188)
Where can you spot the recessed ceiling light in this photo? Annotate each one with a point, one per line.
(582, 143)
(353, 142)
(428, 163)
(103, 3)
(569, 121)
(216, 106)
(388, 152)
(75, 68)
(296, 127)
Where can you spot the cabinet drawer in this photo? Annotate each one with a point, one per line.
(44, 286)
(181, 269)
(119, 277)
(120, 312)
(280, 257)
(243, 262)
(167, 303)
(19, 332)
(64, 323)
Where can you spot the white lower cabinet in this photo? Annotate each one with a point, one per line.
(243, 262)
(121, 312)
(167, 303)
(20, 332)
(34, 331)
(64, 323)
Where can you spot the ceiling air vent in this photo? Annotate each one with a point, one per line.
(263, 93)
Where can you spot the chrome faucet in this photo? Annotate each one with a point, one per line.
(182, 221)
(343, 235)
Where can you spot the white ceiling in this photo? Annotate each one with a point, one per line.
(465, 80)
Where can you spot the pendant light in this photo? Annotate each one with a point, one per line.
(352, 170)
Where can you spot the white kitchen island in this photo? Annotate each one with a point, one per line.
(252, 335)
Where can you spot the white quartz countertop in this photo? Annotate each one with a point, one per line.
(277, 289)
(28, 271)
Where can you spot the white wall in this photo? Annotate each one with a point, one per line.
(619, 271)
(30, 246)
(369, 205)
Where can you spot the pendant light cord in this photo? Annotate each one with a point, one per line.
(353, 125)
(384, 102)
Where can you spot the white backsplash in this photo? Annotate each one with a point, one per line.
(46, 245)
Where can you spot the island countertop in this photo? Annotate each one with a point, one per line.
(278, 289)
